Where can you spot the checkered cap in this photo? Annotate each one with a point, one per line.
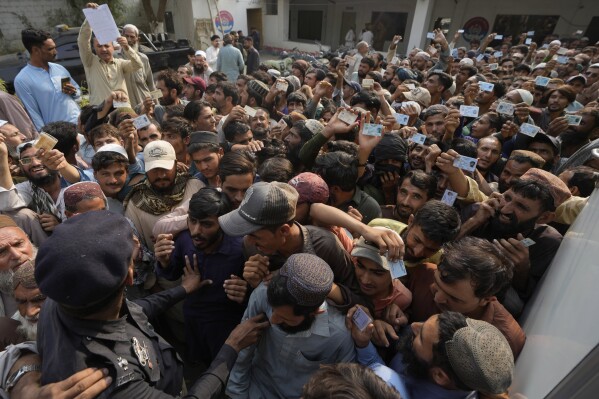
(264, 204)
(309, 279)
(481, 357)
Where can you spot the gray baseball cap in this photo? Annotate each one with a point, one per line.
(264, 204)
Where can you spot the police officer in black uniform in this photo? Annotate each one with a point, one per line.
(83, 268)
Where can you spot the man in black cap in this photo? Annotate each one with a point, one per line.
(548, 148)
(266, 217)
(306, 332)
(93, 325)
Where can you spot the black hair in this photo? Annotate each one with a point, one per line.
(583, 177)
(367, 60)
(536, 191)
(449, 323)
(346, 146)
(489, 270)
(214, 37)
(195, 147)
(104, 159)
(276, 169)
(105, 129)
(272, 148)
(235, 163)
(171, 80)
(423, 181)
(194, 108)
(337, 169)
(65, 133)
(219, 76)
(34, 38)
(522, 68)
(233, 129)
(444, 78)
(472, 70)
(464, 147)
(178, 125)
(174, 110)
(438, 221)
(521, 158)
(208, 202)
(370, 100)
(229, 90)
(499, 89)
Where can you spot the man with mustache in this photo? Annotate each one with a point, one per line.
(447, 356)
(523, 211)
(306, 331)
(105, 73)
(212, 312)
(48, 173)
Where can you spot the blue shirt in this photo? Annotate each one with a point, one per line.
(409, 387)
(40, 91)
(280, 364)
(211, 302)
(230, 61)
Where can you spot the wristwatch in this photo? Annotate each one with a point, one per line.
(16, 376)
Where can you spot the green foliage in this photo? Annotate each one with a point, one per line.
(3, 86)
(73, 16)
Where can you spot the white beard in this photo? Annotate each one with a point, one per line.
(6, 278)
(28, 328)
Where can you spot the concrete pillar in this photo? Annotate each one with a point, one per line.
(420, 23)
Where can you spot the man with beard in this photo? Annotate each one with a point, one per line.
(366, 65)
(200, 66)
(141, 82)
(577, 137)
(300, 134)
(212, 312)
(39, 84)
(29, 301)
(388, 76)
(447, 356)
(15, 250)
(472, 278)
(48, 174)
(552, 119)
(305, 332)
(163, 189)
(260, 125)
(548, 148)
(413, 191)
(194, 88)
(104, 73)
(171, 86)
(236, 173)
(467, 188)
(523, 211)
(226, 97)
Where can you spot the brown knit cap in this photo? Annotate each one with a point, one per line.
(25, 276)
(559, 190)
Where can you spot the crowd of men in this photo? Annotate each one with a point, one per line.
(350, 231)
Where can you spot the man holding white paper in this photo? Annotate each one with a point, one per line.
(104, 73)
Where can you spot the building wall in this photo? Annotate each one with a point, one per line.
(16, 15)
(574, 15)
